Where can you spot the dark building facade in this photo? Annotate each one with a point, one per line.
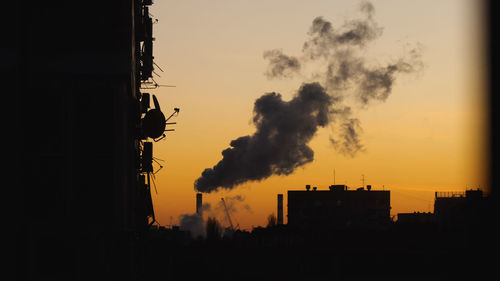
(416, 218)
(85, 194)
(454, 210)
(279, 218)
(338, 208)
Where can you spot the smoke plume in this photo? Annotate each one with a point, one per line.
(193, 223)
(324, 39)
(279, 145)
(350, 142)
(348, 72)
(284, 128)
(233, 204)
(281, 65)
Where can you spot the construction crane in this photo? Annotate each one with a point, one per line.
(227, 214)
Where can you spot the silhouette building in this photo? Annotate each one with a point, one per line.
(86, 160)
(459, 209)
(452, 210)
(416, 218)
(338, 207)
(279, 219)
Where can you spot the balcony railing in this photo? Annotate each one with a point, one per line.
(450, 194)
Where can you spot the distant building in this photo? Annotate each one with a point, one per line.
(280, 209)
(458, 209)
(416, 218)
(338, 207)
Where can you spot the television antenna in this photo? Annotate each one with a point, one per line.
(334, 176)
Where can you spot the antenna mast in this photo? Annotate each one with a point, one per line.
(334, 176)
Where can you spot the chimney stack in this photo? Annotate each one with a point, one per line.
(280, 209)
(199, 203)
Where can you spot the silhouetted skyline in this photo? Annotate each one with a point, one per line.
(421, 133)
(366, 95)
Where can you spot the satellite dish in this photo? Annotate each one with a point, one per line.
(155, 101)
(153, 123)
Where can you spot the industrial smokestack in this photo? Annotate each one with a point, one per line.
(280, 209)
(199, 203)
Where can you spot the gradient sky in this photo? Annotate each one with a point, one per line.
(428, 136)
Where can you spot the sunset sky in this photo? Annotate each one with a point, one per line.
(429, 135)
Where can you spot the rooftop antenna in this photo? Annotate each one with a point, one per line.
(363, 180)
(334, 176)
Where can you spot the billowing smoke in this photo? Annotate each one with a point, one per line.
(284, 128)
(281, 65)
(348, 72)
(348, 140)
(349, 143)
(279, 145)
(233, 204)
(197, 226)
(324, 39)
(193, 223)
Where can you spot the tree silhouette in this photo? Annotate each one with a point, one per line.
(271, 220)
(214, 229)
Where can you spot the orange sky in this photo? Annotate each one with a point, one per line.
(428, 136)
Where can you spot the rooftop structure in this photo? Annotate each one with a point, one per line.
(456, 209)
(416, 218)
(338, 207)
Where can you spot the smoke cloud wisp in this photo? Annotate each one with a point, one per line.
(281, 65)
(193, 223)
(348, 73)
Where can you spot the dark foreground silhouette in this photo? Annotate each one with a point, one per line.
(282, 252)
(430, 250)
